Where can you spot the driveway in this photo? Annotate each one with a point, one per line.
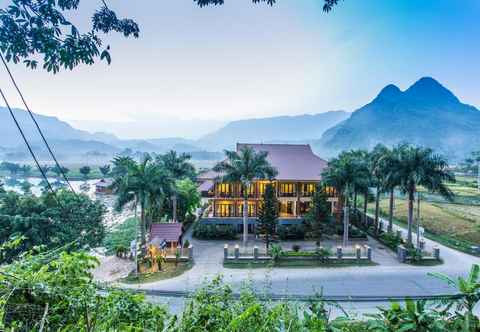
(389, 279)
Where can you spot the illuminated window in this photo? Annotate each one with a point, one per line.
(224, 209)
(287, 189)
(251, 209)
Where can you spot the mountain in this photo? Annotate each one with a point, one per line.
(426, 114)
(52, 127)
(273, 129)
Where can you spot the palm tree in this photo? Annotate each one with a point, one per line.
(105, 170)
(342, 174)
(392, 181)
(378, 174)
(143, 183)
(85, 171)
(244, 167)
(179, 168)
(418, 166)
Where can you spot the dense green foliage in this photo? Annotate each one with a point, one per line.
(50, 221)
(55, 290)
(244, 167)
(214, 232)
(318, 216)
(267, 220)
(121, 235)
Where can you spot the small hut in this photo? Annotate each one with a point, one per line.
(166, 235)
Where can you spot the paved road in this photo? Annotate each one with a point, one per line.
(389, 279)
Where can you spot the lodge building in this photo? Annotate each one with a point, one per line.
(299, 171)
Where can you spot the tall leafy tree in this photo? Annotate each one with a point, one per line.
(267, 219)
(418, 166)
(318, 215)
(188, 198)
(39, 30)
(244, 167)
(143, 183)
(342, 172)
(391, 181)
(377, 163)
(13, 168)
(85, 171)
(179, 167)
(105, 170)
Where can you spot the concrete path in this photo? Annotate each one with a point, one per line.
(389, 279)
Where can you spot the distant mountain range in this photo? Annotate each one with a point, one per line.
(426, 114)
(299, 128)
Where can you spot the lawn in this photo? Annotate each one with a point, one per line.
(169, 270)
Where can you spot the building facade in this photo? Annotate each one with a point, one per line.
(299, 172)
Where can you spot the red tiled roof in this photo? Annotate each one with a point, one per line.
(168, 232)
(292, 161)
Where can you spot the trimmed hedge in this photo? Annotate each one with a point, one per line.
(214, 232)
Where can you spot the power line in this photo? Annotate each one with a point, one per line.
(27, 143)
(60, 169)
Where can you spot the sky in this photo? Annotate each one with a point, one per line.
(194, 69)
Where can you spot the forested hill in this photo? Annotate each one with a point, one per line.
(425, 114)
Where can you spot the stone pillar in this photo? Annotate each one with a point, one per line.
(422, 244)
(399, 234)
(255, 252)
(402, 254)
(358, 252)
(369, 253)
(237, 251)
(225, 251)
(436, 253)
(190, 252)
(339, 252)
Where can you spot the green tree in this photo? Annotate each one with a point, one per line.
(105, 170)
(179, 167)
(12, 168)
(327, 4)
(244, 167)
(143, 183)
(51, 220)
(267, 219)
(391, 181)
(26, 187)
(417, 167)
(319, 213)
(59, 170)
(26, 170)
(342, 174)
(188, 198)
(33, 29)
(377, 163)
(85, 171)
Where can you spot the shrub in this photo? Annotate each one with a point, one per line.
(291, 232)
(391, 240)
(186, 244)
(276, 252)
(296, 248)
(214, 232)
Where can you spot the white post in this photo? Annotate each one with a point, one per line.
(418, 221)
(345, 226)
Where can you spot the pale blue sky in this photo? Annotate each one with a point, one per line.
(195, 68)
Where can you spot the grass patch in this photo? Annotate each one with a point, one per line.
(453, 225)
(121, 235)
(290, 263)
(169, 270)
(426, 262)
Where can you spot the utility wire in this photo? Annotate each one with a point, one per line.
(28, 144)
(60, 169)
